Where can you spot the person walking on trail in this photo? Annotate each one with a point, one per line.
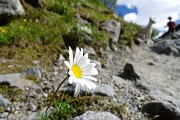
(171, 26)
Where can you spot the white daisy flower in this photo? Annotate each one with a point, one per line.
(81, 70)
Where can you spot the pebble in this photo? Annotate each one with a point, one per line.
(4, 115)
(32, 107)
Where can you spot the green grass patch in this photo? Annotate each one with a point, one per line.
(67, 107)
(128, 33)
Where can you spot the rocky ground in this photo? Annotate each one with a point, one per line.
(147, 89)
(158, 86)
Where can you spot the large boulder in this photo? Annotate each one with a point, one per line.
(176, 34)
(9, 8)
(168, 47)
(162, 110)
(97, 115)
(113, 28)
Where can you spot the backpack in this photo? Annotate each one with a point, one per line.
(171, 25)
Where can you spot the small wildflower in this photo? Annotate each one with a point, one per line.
(24, 20)
(81, 70)
(3, 30)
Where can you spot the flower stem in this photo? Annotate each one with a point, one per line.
(56, 93)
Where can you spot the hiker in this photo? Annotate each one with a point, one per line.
(171, 26)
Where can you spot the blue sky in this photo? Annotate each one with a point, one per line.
(123, 10)
(139, 11)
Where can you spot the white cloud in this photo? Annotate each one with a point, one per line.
(158, 9)
(130, 17)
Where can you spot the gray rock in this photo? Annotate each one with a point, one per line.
(96, 115)
(105, 90)
(60, 60)
(32, 116)
(35, 3)
(3, 101)
(17, 80)
(168, 47)
(33, 71)
(164, 110)
(10, 8)
(176, 35)
(35, 115)
(113, 27)
(90, 51)
(98, 64)
(101, 89)
(138, 41)
(3, 115)
(32, 107)
(87, 38)
(82, 21)
(113, 46)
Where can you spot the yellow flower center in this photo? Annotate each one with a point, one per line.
(76, 71)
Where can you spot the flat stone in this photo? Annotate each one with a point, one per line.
(16, 80)
(60, 60)
(96, 115)
(3, 115)
(3, 101)
(33, 71)
(101, 89)
(90, 51)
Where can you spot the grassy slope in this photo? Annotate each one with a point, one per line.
(39, 34)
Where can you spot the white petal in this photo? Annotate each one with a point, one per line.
(88, 66)
(70, 56)
(90, 72)
(81, 82)
(67, 64)
(81, 54)
(77, 90)
(89, 77)
(89, 84)
(75, 79)
(84, 60)
(76, 58)
(84, 63)
(71, 80)
(70, 72)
